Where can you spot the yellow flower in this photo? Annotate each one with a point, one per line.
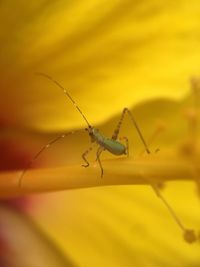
(108, 56)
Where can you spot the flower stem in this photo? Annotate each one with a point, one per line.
(122, 171)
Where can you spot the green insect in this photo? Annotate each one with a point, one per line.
(113, 145)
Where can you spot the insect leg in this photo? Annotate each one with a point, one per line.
(84, 157)
(127, 144)
(116, 132)
(40, 152)
(99, 151)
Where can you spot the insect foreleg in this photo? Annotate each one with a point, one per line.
(40, 152)
(99, 151)
(84, 157)
(127, 144)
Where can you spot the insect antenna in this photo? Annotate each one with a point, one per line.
(30, 163)
(66, 93)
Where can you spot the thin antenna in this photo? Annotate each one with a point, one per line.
(66, 93)
(40, 152)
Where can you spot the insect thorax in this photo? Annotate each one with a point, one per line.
(97, 136)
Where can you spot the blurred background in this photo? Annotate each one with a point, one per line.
(108, 55)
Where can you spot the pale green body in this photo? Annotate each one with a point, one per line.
(109, 144)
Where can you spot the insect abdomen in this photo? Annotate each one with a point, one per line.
(111, 145)
(114, 147)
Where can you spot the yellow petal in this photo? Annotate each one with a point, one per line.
(24, 244)
(108, 55)
(121, 226)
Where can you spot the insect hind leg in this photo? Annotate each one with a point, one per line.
(117, 130)
(127, 144)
